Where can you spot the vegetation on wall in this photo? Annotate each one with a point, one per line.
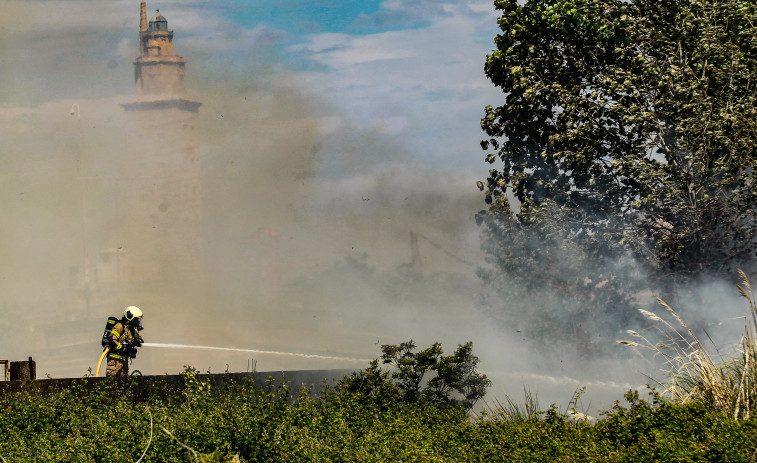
(262, 423)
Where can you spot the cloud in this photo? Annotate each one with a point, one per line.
(430, 79)
(401, 14)
(335, 50)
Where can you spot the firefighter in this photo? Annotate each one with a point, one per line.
(123, 343)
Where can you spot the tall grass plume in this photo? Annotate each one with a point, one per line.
(697, 370)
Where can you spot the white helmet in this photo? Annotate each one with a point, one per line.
(132, 312)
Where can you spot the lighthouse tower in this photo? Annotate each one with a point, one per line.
(157, 70)
(162, 187)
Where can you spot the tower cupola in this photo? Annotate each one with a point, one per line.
(158, 22)
(157, 70)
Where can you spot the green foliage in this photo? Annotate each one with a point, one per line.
(635, 119)
(193, 386)
(665, 431)
(374, 386)
(454, 381)
(623, 145)
(265, 422)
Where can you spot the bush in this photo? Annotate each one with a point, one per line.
(268, 422)
(454, 381)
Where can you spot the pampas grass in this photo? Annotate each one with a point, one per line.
(510, 410)
(727, 383)
(529, 410)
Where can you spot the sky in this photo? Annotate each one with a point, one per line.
(335, 127)
(411, 70)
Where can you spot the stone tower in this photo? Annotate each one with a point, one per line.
(162, 188)
(157, 70)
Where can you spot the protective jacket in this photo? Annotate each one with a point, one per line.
(122, 333)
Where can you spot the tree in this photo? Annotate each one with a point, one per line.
(453, 380)
(630, 128)
(557, 290)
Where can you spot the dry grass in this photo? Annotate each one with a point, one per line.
(510, 410)
(726, 383)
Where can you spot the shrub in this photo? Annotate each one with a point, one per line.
(454, 381)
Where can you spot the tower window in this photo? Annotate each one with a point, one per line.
(158, 26)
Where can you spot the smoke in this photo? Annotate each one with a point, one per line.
(308, 231)
(294, 197)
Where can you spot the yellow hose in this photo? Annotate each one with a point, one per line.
(97, 371)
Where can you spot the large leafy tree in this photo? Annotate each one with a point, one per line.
(624, 146)
(627, 128)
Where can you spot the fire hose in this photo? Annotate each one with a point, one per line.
(105, 352)
(102, 357)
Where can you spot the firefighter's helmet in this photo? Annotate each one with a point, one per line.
(132, 312)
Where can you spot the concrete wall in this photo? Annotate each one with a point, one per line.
(168, 386)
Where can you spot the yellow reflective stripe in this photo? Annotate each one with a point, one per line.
(123, 337)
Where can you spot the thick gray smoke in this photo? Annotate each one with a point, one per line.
(306, 219)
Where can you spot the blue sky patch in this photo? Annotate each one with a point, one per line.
(302, 17)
